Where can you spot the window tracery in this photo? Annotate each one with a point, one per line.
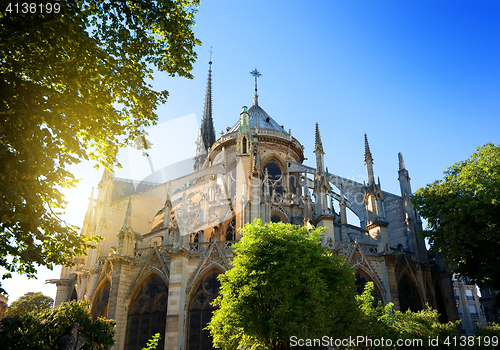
(200, 312)
(147, 314)
(275, 179)
(231, 230)
(100, 305)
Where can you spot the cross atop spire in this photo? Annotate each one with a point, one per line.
(256, 74)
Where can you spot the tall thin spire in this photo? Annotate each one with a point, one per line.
(318, 150)
(368, 154)
(369, 163)
(206, 135)
(128, 216)
(256, 74)
(207, 123)
(318, 144)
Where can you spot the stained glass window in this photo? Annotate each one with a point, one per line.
(200, 312)
(230, 229)
(147, 314)
(274, 175)
(100, 305)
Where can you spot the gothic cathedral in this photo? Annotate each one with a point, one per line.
(164, 244)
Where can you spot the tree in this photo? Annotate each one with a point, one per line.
(74, 85)
(41, 330)
(463, 216)
(283, 283)
(31, 301)
(410, 328)
(489, 334)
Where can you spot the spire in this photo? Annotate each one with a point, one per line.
(401, 162)
(256, 74)
(128, 215)
(318, 144)
(404, 177)
(369, 163)
(207, 123)
(318, 150)
(368, 154)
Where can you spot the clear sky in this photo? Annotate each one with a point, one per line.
(419, 77)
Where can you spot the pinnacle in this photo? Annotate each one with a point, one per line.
(401, 162)
(368, 154)
(318, 144)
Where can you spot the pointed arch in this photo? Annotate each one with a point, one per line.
(408, 294)
(205, 290)
(74, 295)
(362, 278)
(147, 311)
(100, 299)
(244, 145)
(278, 216)
(230, 229)
(276, 170)
(214, 259)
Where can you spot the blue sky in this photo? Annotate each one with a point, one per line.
(419, 77)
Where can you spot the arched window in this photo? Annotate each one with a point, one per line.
(274, 175)
(409, 298)
(200, 312)
(361, 280)
(275, 218)
(244, 145)
(100, 304)
(230, 230)
(147, 314)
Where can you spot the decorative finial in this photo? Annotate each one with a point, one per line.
(210, 62)
(368, 154)
(256, 74)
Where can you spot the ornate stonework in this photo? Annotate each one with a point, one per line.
(164, 244)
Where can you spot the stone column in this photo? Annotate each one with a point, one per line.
(177, 306)
(388, 268)
(122, 278)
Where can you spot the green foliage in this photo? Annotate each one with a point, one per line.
(463, 216)
(153, 342)
(75, 85)
(384, 322)
(31, 301)
(42, 329)
(284, 283)
(488, 335)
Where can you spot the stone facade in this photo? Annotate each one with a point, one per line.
(164, 244)
(469, 307)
